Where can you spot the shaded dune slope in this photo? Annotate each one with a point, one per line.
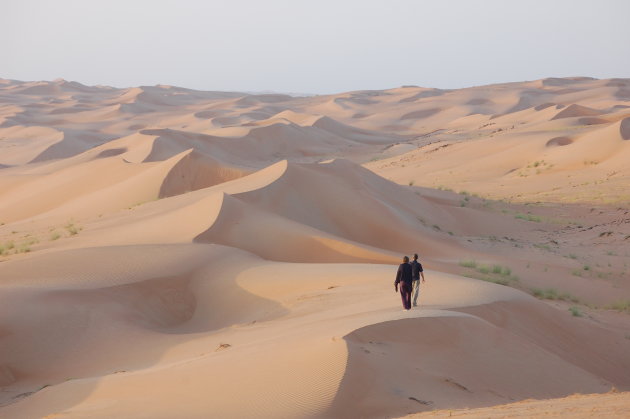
(81, 305)
(471, 361)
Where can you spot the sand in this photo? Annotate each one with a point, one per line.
(166, 252)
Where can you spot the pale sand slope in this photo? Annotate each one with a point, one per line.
(305, 339)
(149, 239)
(613, 405)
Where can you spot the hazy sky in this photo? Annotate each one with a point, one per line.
(317, 46)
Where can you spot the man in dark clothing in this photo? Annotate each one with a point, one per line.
(416, 271)
(404, 278)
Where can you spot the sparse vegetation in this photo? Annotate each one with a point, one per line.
(491, 273)
(553, 294)
(503, 270)
(575, 311)
(469, 263)
(542, 246)
(500, 281)
(10, 247)
(72, 229)
(528, 217)
(537, 167)
(622, 306)
(55, 236)
(484, 269)
(23, 249)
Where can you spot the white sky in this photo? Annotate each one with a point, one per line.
(317, 46)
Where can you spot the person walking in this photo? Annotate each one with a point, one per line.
(404, 278)
(416, 272)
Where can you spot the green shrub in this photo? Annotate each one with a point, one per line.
(484, 269)
(528, 217)
(469, 263)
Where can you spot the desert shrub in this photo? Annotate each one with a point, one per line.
(484, 269)
(553, 294)
(575, 311)
(528, 217)
(468, 263)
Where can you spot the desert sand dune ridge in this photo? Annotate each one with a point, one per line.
(166, 252)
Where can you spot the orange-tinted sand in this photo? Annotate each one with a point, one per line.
(166, 252)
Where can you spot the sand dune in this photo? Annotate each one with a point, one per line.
(316, 383)
(576, 110)
(576, 406)
(166, 252)
(624, 129)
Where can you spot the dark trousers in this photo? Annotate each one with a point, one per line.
(405, 294)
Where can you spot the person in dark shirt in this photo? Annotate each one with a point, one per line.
(416, 272)
(404, 278)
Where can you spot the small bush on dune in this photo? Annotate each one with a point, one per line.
(72, 229)
(484, 269)
(469, 263)
(528, 217)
